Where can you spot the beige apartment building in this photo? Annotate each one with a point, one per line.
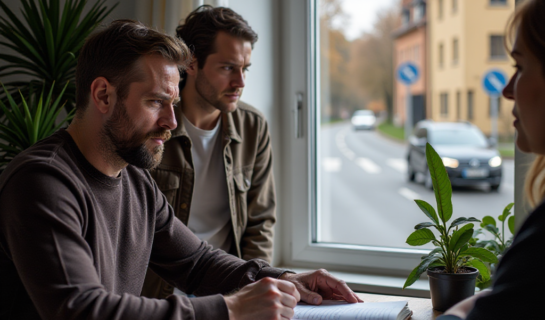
(410, 46)
(465, 40)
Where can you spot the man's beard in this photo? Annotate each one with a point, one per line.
(211, 95)
(124, 144)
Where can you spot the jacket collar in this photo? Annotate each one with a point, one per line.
(228, 125)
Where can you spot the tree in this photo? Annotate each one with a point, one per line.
(372, 59)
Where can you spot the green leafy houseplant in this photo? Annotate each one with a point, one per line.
(498, 244)
(29, 121)
(453, 250)
(46, 42)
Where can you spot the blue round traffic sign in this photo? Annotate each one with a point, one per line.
(494, 81)
(407, 73)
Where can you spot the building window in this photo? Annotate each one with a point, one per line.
(441, 55)
(444, 104)
(440, 9)
(497, 49)
(498, 2)
(419, 11)
(458, 106)
(406, 16)
(454, 6)
(455, 53)
(470, 101)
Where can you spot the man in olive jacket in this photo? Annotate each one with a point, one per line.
(216, 170)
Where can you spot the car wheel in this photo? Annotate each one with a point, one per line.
(427, 182)
(494, 187)
(410, 172)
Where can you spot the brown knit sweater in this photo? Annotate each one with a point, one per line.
(75, 244)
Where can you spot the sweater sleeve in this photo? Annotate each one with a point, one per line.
(42, 240)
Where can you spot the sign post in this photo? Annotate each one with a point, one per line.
(408, 74)
(493, 83)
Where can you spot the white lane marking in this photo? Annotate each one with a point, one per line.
(332, 164)
(368, 165)
(341, 144)
(409, 194)
(398, 164)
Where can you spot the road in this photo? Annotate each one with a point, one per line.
(365, 198)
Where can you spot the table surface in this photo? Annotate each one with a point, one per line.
(421, 307)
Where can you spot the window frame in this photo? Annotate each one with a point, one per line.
(298, 189)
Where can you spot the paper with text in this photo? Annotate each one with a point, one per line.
(338, 310)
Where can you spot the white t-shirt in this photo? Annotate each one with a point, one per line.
(209, 216)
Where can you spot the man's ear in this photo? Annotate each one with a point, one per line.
(102, 95)
(192, 67)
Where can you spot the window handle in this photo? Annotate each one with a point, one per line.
(298, 115)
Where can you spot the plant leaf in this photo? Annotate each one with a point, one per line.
(415, 274)
(506, 212)
(461, 237)
(420, 237)
(483, 269)
(488, 220)
(424, 225)
(511, 224)
(481, 254)
(492, 229)
(428, 210)
(441, 183)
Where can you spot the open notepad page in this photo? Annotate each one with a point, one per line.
(338, 310)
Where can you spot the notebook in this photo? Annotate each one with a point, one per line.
(340, 310)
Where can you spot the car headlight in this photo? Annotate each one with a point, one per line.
(495, 162)
(449, 162)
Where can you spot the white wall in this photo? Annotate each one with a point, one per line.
(262, 83)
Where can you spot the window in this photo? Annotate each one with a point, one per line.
(444, 104)
(470, 101)
(419, 11)
(497, 49)
(349, 204)
(440, 8)
(441, 55)
(498, 2)
(458, 106)
(406, 16)
(455, 52)
(454, 6)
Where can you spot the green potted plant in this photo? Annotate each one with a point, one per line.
(29, 121)
(453, 266)
(498, 244)
(46, 43)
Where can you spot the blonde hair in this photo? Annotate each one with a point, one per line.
(534, 185)
(527, 22)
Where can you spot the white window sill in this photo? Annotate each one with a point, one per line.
(378, 284)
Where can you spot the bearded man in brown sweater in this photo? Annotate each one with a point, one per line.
(81, 218)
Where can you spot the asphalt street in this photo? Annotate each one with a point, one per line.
(364, 197)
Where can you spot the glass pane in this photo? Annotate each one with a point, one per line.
(368, 174)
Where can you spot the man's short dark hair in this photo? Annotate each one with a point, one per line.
(201, 28)
(113, 52)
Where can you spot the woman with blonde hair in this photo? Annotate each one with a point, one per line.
(519, 286)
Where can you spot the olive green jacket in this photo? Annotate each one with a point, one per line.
(248, 167)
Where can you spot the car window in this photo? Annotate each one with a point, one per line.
(422, 133)
(462, 137)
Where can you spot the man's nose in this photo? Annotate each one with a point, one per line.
(238, 80)
(168, 119)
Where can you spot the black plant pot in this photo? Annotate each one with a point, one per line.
(447, 289)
